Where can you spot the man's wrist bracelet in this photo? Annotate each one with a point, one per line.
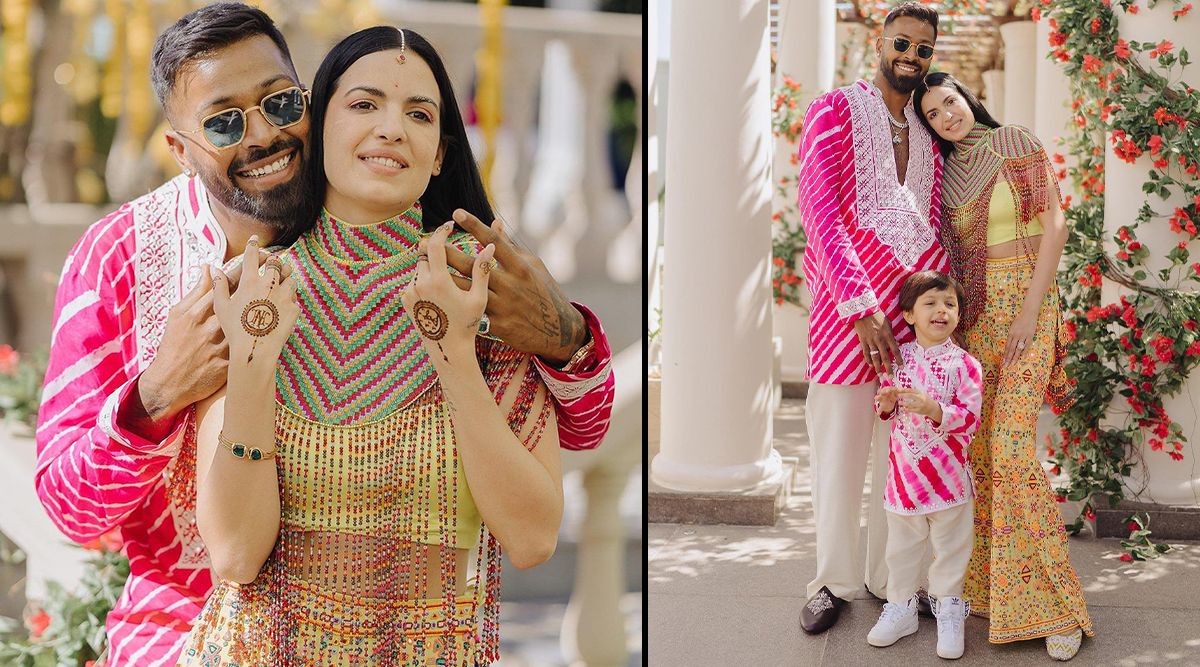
(244, 451)
(581, 354)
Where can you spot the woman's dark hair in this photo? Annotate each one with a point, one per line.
(934, 79)
(457, 186)
(923, 281)
(203, 31)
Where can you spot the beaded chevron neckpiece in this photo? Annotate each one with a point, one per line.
(354, 354)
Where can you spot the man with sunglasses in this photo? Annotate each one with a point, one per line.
(135, 342)
(870, 202)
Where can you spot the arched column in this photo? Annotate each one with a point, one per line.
(716, 388)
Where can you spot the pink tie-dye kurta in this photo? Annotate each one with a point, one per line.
(866, 232)
(927, 467)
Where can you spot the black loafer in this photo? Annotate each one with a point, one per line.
(821, 612)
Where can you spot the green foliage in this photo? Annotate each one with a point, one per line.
(1131, 354)
(67, 629)
(21, 385)
(787, 234)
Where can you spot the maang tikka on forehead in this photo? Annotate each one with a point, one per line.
(403, 47)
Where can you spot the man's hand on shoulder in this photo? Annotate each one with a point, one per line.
(190, 364)
(526, 306)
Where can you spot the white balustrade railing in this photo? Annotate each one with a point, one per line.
(552, 178)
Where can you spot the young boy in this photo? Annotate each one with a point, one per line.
(934, 402)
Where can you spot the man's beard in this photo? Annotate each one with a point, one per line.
(278, 207)
(902, 84)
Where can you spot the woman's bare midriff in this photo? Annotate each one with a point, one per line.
(1015, 247)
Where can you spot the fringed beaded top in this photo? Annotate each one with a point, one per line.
(973, 169)
(988, 163)
(382, 558)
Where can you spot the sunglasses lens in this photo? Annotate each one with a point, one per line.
(901, 44)
(284, 108)
(225, 128)
(925, 51)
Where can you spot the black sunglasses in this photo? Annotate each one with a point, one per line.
(901, 44)
(227, 128)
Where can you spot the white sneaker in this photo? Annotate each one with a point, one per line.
(951, 612)
(896, 621)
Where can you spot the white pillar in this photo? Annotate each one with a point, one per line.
(1052, 113)
(1019, 72)
(807, 47)
(716, 394)
(993, 88)
(808, 51)
(1166, 481)
(659, 39)
(852, 50)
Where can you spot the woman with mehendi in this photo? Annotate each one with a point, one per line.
(358, 518)
(1004, 229)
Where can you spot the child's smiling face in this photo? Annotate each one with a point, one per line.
(934, 316)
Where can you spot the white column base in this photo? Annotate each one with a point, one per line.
(681, 476)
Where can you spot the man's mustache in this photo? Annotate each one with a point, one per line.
(258, 154)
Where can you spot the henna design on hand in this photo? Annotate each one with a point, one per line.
(260, 317)
(432, 322)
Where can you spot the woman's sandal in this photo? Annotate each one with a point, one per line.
(1064, 646)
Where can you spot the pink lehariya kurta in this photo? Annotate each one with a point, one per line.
(927, 467)
(94, 474)
(866, 231)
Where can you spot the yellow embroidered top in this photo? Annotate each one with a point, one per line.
(1002, 217)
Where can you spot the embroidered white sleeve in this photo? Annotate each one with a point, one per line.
(568, 391)
(858, 304)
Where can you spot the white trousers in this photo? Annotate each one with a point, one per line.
(842, 431)
(947, 532)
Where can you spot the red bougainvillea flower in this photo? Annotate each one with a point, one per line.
(8, 360)
(1133, 9)
(1091, 64)
(1175, 456)
(1127, 558)
(1122, 49)
(1089, 514)
(1182, 11)
(1095, 26)
(1036, 14)
(1133, 526)
(1058, 38)
(1164, 47)
(38, 623)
